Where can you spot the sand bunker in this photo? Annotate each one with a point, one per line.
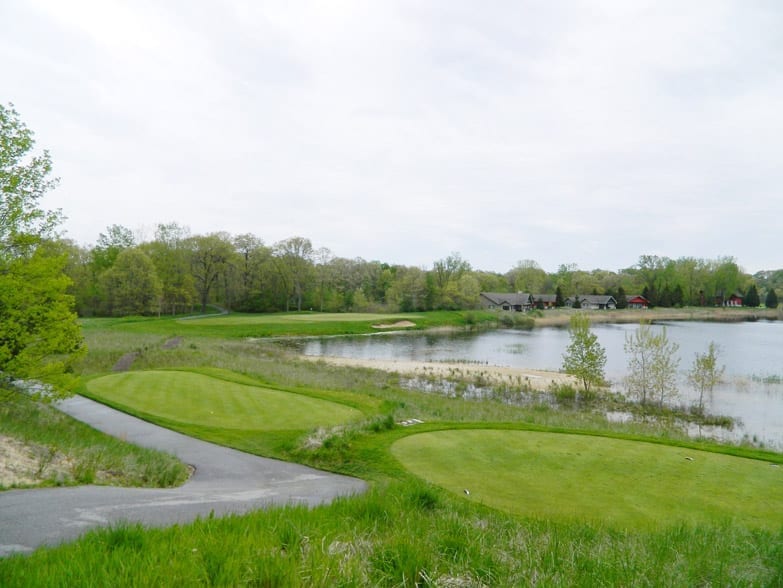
(397, 325)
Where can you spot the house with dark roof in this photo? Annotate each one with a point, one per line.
(518, 302)
(592, 301)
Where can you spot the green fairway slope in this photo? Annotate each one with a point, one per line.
(195, 398)
(581, 477)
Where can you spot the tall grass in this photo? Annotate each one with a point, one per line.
(402, 534)
(92, 457)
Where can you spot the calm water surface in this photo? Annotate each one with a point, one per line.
(751, 352)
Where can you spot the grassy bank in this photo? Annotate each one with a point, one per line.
(66, 452)
(403, 534)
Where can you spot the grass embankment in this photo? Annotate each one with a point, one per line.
(406, 532)
(403, 534)
(66, 452)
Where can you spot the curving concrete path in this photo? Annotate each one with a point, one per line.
(226, 481)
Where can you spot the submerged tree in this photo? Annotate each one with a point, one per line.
(705, 374)
(652, 365)
(584, 357)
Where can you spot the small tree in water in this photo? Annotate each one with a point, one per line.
(652, 365)
(584, 357)
(705, 373)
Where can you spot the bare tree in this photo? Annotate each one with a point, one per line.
(652, 365)
(705, 374)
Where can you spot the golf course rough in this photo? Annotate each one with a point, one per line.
(621, 483)
(189, 397)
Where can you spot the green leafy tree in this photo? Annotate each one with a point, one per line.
(24, 179)
(293, 259)
(771, 301)
(752, 298)
(559, 300)
(652, 365)
(39, 336)
(705, 373)
(584, 358)
(132, 286)
(171, 256)
(527, 276)
(622, 298)
(210, 256)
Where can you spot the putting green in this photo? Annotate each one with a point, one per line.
(188, 397)
(618, 482)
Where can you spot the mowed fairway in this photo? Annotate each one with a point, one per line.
(194, 398)
(580, 477)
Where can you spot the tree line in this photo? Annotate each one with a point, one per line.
(177, 272)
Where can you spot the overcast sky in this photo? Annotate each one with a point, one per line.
(587, 132)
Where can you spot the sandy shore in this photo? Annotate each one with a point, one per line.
(535, 379)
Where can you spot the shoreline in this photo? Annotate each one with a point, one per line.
(538, 380)
(561, 317)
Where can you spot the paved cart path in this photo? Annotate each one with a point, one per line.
(225, 481)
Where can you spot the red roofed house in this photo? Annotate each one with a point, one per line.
(638, 302)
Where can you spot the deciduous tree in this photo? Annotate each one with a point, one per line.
(584, 357)
(652, 365)
(705, 373)
(294, 261)
(39, 336)
(209, 257)
(131, 285)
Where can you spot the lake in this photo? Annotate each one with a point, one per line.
(752, 353)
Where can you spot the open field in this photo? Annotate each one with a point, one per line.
(617, 482)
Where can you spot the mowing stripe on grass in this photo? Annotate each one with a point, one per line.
(623, 483)
(194, 398)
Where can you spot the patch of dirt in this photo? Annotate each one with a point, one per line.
(125, 362)
(26, 464)
(397, 325)
(172, 343)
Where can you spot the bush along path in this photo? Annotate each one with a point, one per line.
(225, 481)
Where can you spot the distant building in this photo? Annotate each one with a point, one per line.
(592, 301)
(544, 301)
(519, 302)
(638, 302)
